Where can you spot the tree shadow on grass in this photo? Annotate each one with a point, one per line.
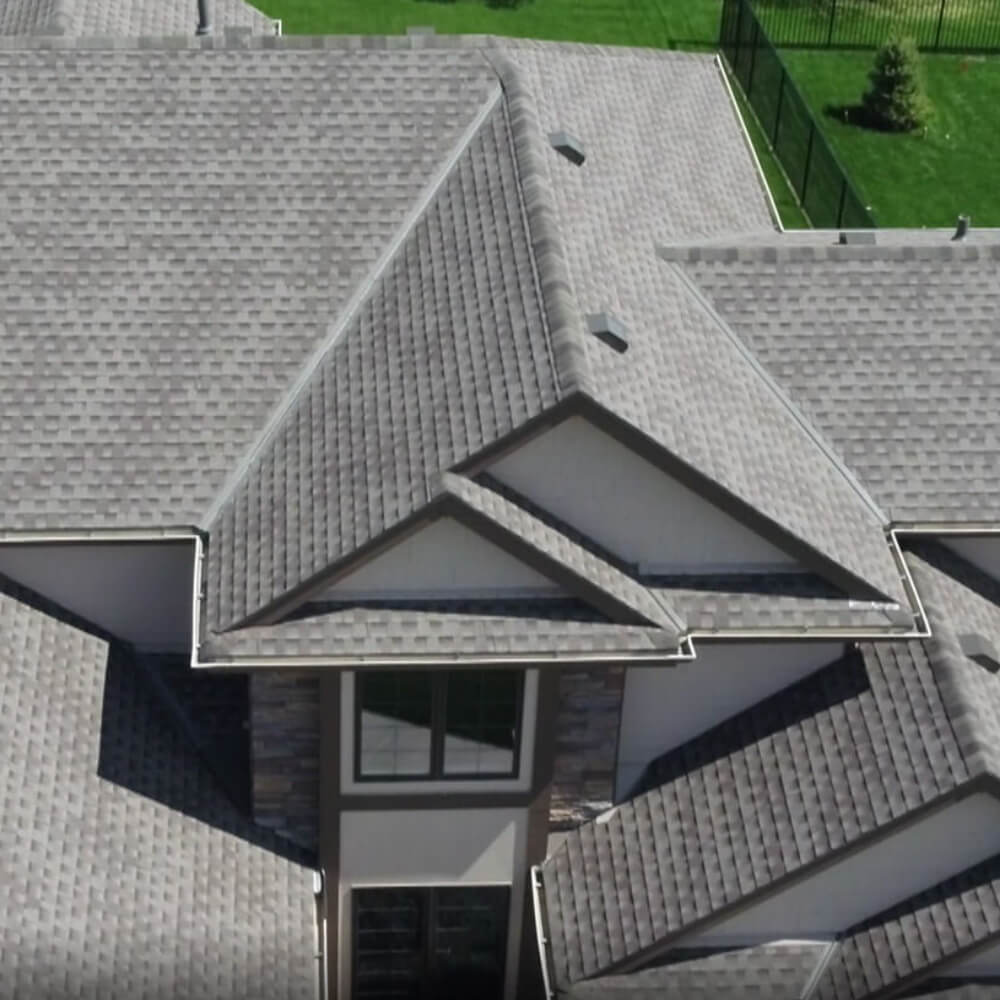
(853, 114)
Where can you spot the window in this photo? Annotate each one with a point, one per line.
(445, 724)
(430, 944)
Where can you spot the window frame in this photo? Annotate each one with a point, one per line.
(438, 732)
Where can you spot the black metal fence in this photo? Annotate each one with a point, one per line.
(823, 187)
(935, 25)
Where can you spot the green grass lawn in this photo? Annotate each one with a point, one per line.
(915, 180)
(659, 23)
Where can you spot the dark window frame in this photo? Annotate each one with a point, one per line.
(438, 731)
(429, 906)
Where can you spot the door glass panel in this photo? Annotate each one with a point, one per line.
(389, 944)
(482, 709)
(395, 708)
(469, 943)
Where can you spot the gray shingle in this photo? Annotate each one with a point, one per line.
(912, 940)
(643, 182)
(768, 972)
(871, 730)
(890, 350)
(125, 870)
(200, 220)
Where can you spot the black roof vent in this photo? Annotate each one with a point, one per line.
(979, 648)
(204, 17)
(569, 146)
(610, 329)
(857, 238)
(962, 227)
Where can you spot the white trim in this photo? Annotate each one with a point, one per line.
(491, 786)
(354, 303)
(761, 176)
(541, 941)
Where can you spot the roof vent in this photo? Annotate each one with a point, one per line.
(962, 227)
(857, 238)
(204, 17)
(979, 648)
(610, 329)
(569, 146)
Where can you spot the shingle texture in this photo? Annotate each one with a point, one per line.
(643, 183)
(103, 18)
(766, 972)
(891, 351)
(447, 354)
(791, 780)
(125, 871)
(882, 955)
(180, 231)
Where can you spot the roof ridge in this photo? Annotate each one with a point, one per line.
(342, 322)
(565, 335)
(779, 248)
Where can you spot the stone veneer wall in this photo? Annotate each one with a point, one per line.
(590, 705)
(284, 752)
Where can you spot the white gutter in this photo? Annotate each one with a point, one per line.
(540, 939)
(97, 535)
(761, 177)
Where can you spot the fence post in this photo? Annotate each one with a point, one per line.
(829, 32)
(777, 111)
(805, 169)
(937, 34)
(843, 198)
(753, 55)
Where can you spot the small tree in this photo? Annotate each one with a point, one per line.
(896, 100)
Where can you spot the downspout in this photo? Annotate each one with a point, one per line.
(319, 929)
(541, 939)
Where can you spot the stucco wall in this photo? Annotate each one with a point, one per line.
(442, 847)
(139, 592)
(664, 706)
(588, 479)
(890, 870)
(284, 745)
(443, 558)
(983, 552)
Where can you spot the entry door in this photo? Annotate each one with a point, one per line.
(430, 943)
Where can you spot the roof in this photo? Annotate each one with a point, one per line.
(126, 870)
(922, 935)
(788, 782)
(889, 349)
(770, 972)
(188, 247)
(106, 18)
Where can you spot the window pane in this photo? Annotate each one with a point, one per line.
(469, 942)
(389, 943)
(482, 709)
(395, 721)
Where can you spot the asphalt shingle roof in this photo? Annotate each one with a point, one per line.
(891, 351)
(881, 956)
(767, 972)
(787, 782)
(126, 873)
(640, 184)
(177, 238)
(105, 18)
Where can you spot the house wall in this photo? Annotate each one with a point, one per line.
(434, 847)
(140, 592)
(444, 558)
(664, 706)
(983, 552)
(886, 872)
(284, 747)
(586, 737)
(583, 476)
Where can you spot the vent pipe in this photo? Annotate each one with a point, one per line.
(204, 17)
(610, 329)
(569, 146)
(962, 227)
(981, 650)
